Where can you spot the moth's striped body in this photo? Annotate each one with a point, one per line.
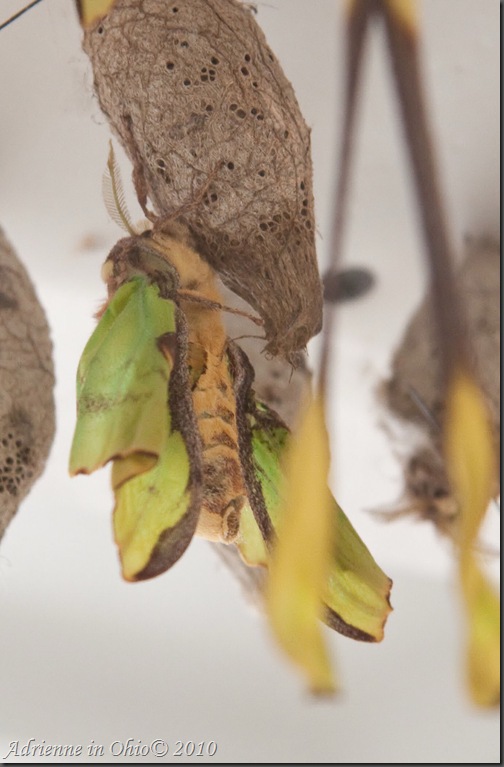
(212, 394)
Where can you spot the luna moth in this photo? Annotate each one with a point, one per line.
(168, 398)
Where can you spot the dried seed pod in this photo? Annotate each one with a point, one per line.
(214, 131)
(26, 385)
(414, 392)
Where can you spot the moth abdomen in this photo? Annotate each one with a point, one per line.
(222, 439)
(225, 414)
(224, 487)
(222, 474)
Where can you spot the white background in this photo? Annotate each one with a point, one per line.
(86, 657)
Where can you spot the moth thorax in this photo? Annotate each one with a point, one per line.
(192, 270)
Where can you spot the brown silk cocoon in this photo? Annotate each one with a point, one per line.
(217, 140)
(27, 419)
(416, 371)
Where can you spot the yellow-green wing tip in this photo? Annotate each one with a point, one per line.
(368, 626)
(143, 557)
(156, 513)
(125, 466)
(357, 595)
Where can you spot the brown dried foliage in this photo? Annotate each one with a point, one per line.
(212, 126)
(27, 419)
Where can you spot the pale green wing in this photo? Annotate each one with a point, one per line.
(122, 383)
(250, 542)
(131, 376)
(156, 513)
(357, 596)
(266, 446)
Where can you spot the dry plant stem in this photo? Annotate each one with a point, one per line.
(27, 418)
(18, 14)
(427, 484)
(450, 320)
(403, 45)
(212, 126)
(355, 39)
(467, 438)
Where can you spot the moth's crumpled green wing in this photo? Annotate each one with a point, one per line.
(156, 513)
(357, 596)
(250, 541)
(267, 444)
(122, 384)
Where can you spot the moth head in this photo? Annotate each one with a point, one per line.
(107, 271)
(139, 257)
(121, 264)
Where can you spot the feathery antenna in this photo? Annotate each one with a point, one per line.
(113, 195)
